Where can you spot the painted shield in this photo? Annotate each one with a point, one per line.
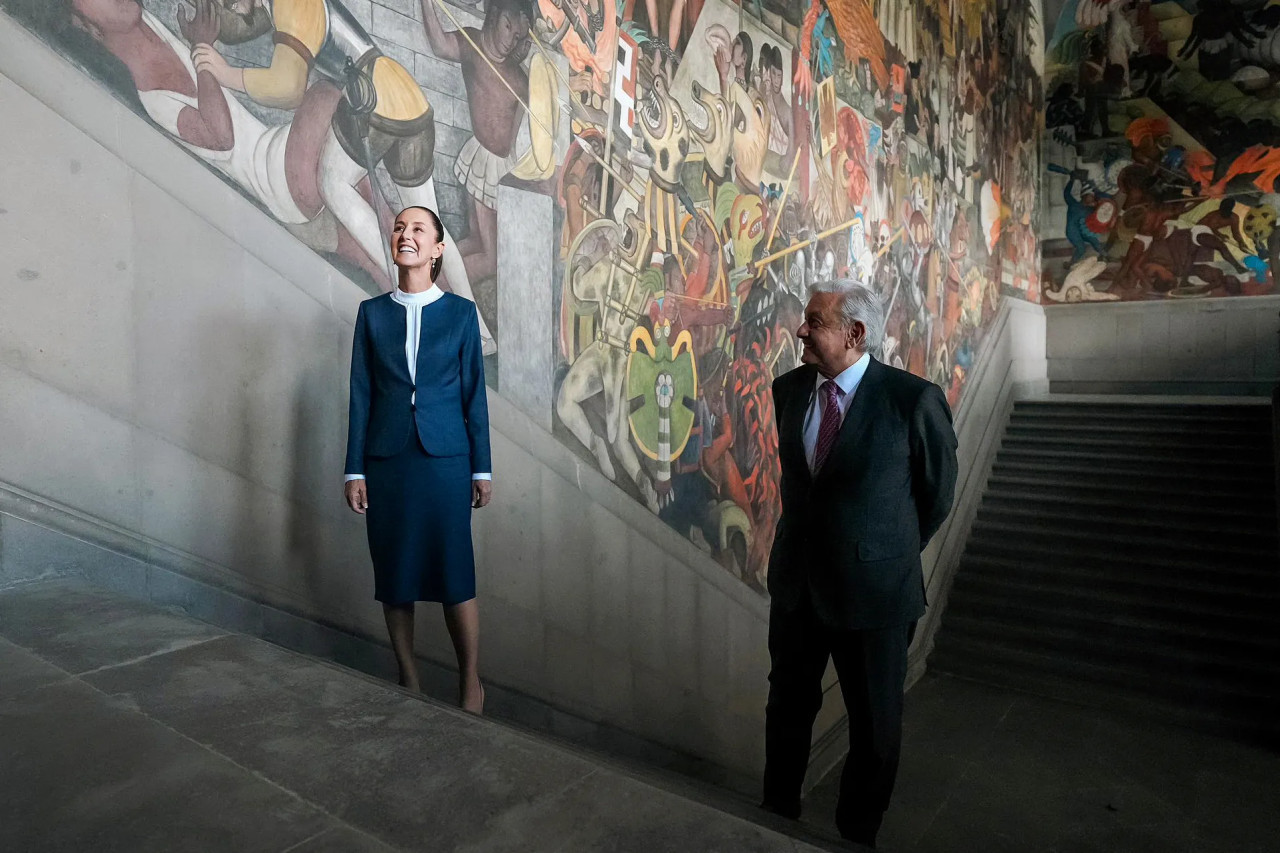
(539, 162)
(662, 389)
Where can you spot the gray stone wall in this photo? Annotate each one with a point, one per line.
(1195, 346)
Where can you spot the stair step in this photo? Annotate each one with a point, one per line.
(1248, 637)
(1172, 508)
(1115, 448)
(1257, 530)
(1143, 424)
(1193, 439)
(1087, 552)
(1190, 691)
(1124, 493)
(1127, 536)
(1129, 460)
(1114, 605)
(1243, 412)
(1235, 590)
(1097, 687)
(1179, 661)
(1140, 476)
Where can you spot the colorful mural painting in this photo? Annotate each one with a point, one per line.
(1163, 150)
(705, 160)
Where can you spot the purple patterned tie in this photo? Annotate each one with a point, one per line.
(830, 425)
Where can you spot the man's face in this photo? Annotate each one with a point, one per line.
(829, 344)
(509, 28)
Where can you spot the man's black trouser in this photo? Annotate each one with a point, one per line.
(872, 668)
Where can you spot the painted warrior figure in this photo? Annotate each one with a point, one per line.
(384, 118)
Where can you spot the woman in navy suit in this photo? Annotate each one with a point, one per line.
(418, 448)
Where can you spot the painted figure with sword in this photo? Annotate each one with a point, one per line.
(383, 118)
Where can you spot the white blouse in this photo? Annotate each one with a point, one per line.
(413, 304)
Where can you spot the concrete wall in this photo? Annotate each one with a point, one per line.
(173, 378)
(1206, 346)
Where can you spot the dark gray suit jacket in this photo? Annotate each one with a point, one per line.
(850, 536)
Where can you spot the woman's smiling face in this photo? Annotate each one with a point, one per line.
(414, 241)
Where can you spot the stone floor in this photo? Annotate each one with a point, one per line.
(987, 769)
(124, 727)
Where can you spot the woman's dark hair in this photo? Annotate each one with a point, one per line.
(747, 51)
(435, 220)
(770, 57)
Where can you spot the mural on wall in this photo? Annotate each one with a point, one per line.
(1163, 149)
(705, 161)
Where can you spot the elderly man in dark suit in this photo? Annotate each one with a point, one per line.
(868, 459)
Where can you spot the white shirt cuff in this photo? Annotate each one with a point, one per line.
(351, 477)
(482, 476)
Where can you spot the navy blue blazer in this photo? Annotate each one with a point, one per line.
(452, 412)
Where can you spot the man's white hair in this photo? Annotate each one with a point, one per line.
(857, 303)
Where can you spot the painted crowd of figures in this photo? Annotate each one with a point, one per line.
(1164, 124)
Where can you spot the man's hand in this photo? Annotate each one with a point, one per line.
(203, 27)
(581, 83)
(357, 493)
(206, 58)
(666, 493)
(481, 493)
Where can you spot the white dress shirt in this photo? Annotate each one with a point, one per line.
(847, 383)
(413, 304)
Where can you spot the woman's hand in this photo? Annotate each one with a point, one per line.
(481, 492)
(357, 493)
(206, 58)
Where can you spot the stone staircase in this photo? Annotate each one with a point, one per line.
(1125, 556)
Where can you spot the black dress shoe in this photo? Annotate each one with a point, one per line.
(791, 812)
(861, 831)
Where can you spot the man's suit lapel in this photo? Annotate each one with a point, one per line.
(792, 432)
(859, 415)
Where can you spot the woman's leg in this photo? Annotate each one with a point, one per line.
(400, 626)
(464, 629)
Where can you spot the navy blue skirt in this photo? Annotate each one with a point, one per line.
(419, 525)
